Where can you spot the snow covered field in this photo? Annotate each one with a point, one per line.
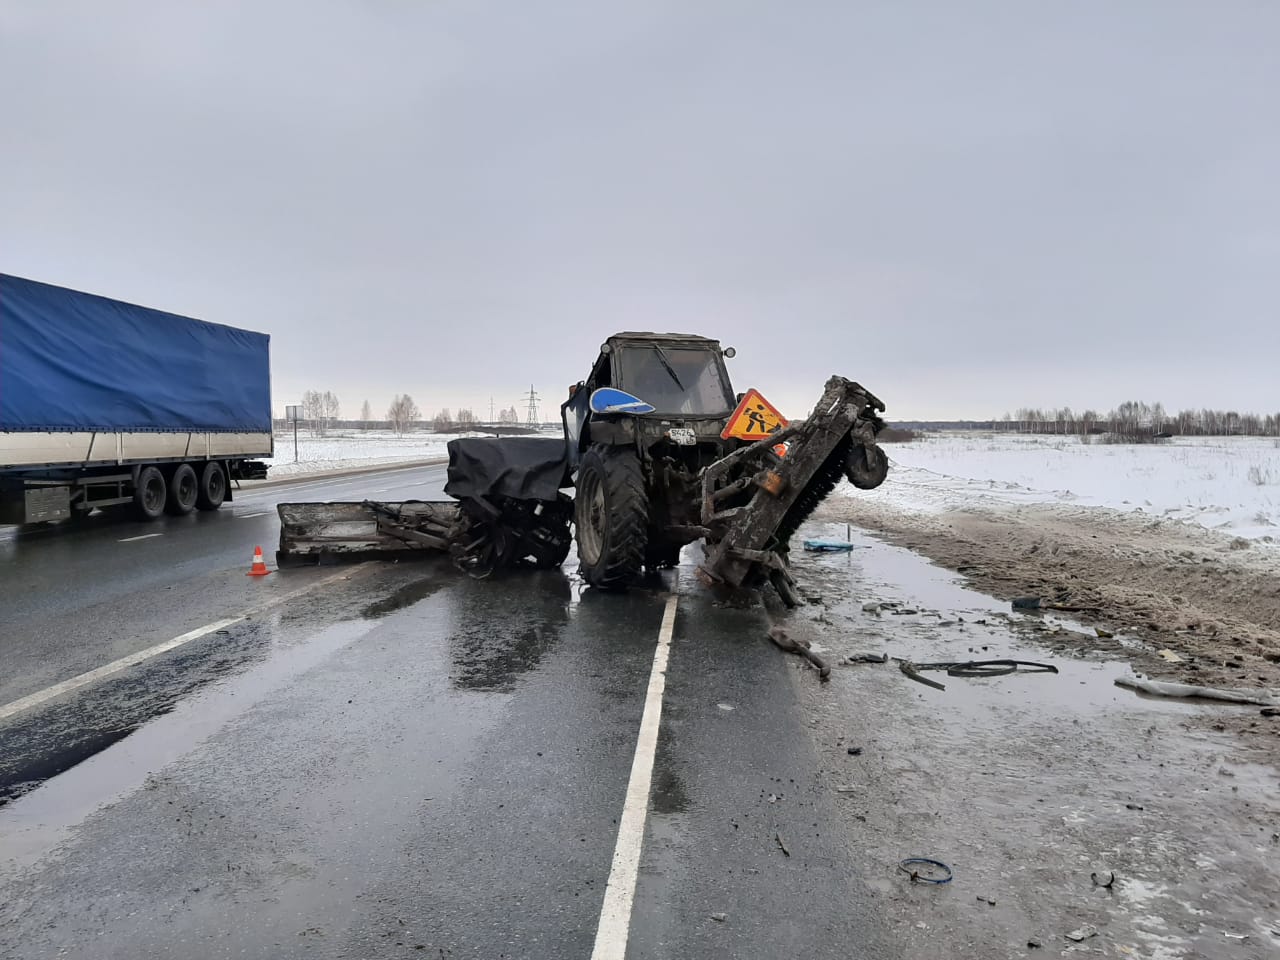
(355, 449)
(1231, 484)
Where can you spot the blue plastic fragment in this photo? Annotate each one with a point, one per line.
(828, 546)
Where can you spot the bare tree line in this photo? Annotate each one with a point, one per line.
(323, 411)
(320, 409)
(1134, 418)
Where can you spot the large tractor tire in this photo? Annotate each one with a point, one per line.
(611, 516)
(866, 466)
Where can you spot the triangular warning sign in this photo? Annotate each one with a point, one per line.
(754, 419)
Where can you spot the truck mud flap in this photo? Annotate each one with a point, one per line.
(312, 533)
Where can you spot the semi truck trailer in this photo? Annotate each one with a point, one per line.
(105, 404)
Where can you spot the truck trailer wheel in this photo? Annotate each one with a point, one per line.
(182, 491)
(149, 494)
(213, 487)
(611, 516)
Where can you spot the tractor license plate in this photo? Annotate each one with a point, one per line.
(683, 436)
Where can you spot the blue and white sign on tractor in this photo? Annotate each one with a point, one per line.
(611, 400)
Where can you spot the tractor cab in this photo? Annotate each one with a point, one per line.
(680, 380)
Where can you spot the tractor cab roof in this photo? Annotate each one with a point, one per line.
(674, 337)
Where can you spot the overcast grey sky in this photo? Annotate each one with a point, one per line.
(966, 206)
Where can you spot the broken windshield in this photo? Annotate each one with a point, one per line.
(676, 380)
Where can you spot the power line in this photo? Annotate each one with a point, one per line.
(532, 419)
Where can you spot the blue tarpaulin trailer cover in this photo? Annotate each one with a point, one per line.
(75, 361)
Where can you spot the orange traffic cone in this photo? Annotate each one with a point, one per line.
(259, 568)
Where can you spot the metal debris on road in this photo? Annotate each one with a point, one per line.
(782, 640)
(719, 917)
(910, 867)
(909, 668)
(972, 668)
(781, 844)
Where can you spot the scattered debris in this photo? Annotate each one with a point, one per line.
(782, 845)
(1157, 688)
(867, 658)
(1169, 655)
(1132, 806)
(719, 917)
(1034, 944)
(871, 606)
(782, 640)
(1103, 634)
(726, 707)
(855, 751)
(846, 789)
(911, 866)
(1111, 878)
(1038, 603)
(1084, 933)
(1270, 711)
(831, 546)
(986, 900)
(973, 668)
(909, 668)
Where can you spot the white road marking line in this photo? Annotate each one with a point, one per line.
(620, 892)
(250, 516)
(115, 666)
(145, 536)
(133, 659)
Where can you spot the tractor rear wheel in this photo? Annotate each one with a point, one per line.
(611, 517)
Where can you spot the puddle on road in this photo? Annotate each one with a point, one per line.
(503, 628)
(668, 795)
(406, 596)
(173, 722)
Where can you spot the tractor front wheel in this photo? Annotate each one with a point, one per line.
(866, 466)
(611, 516)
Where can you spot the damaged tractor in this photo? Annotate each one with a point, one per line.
(659, 451)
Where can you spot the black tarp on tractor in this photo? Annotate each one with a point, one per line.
(522, 468)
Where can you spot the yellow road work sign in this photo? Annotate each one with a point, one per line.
(754, 419)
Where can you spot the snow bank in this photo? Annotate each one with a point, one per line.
(1230, 484)
(355, 449)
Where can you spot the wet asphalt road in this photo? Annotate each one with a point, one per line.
(397, 761)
